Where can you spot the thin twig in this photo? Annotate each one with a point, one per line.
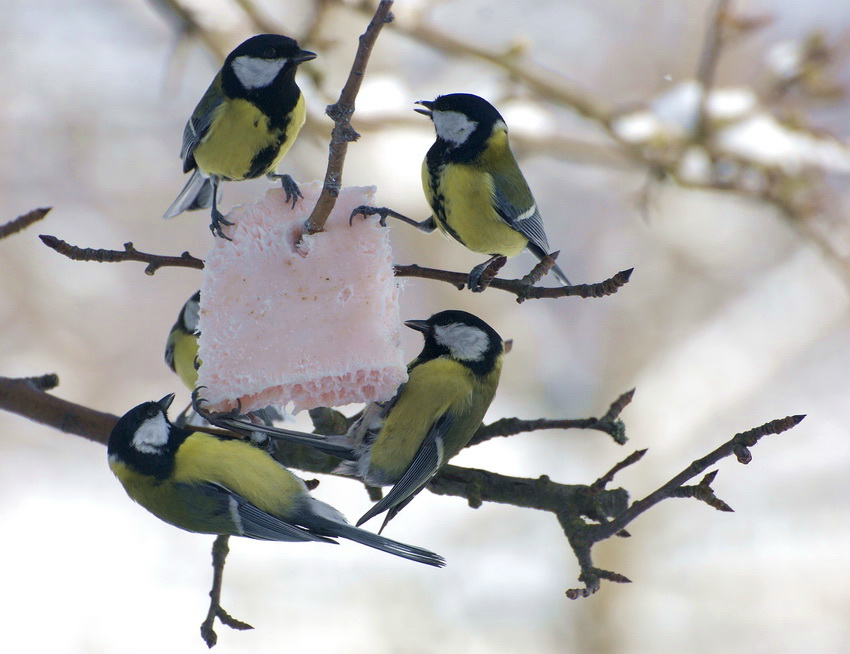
(708, 65)
(609, 424)
(130, 253)
(22, 222)
(341, 113)
(220, 550)
(517, 287)
(583, 536)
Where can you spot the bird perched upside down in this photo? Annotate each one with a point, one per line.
(214, 484)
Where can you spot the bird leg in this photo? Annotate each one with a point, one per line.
(426, 226)
(209, 416)
(289, 186)
(218, 218)
(479, 278)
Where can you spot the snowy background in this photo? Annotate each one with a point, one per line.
(732, 318)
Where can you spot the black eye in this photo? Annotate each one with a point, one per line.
(269, 53)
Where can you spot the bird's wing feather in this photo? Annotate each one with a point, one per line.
(427, 461)
(516, 206)
(254, 522)
(199, 124)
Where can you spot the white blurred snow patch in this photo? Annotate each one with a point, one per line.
(678, 108)
(695, 166)
(383, 94)
(527, 117)
(216, 15)
(763, 139)
(637, 127)
(785, 59)
(730, 103)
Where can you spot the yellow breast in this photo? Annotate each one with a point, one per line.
(238, 133)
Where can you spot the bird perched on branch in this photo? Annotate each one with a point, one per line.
(244, 124)
(405, 441)
(215, 484)
(474, 186)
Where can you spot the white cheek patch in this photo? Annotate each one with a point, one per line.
(465, 342)
(453, 126)
(191, 316)
(151, 435)
(254, 73)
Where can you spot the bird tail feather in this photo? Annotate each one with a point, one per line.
(197, 194)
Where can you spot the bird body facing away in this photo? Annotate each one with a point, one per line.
(216, 484)
(405, 441)
(244, 124)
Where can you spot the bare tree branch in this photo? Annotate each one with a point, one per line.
(130, 253)
(341, 113)
(220, 550)
(22, 222)
(519, 288)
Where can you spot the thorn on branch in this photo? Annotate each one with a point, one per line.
(22, 222)
(539, 271)
(743, 441)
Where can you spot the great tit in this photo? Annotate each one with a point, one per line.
(405, 441)
(181, 349)
(213, 484)
(475, 188)
(244, 125)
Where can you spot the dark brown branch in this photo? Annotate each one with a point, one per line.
(22, 222)
(341, 112)
(583, 536)
(130, 253)
(609, 423)
(517, 287)
(220, 550)
(26, 398)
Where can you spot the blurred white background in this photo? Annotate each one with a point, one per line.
(732, 318)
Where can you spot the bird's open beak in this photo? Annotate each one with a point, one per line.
(165, 402)
(419, 325)
(429, 105)
(304, 55)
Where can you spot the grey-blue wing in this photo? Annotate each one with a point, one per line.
(197, 127)
(527, 221)
(254, 522)
(425, 464)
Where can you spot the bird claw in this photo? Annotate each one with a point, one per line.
(289, 186)
(367, 211)
(218, 220)
(213, 417)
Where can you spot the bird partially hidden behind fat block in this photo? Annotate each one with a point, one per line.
(289, 317)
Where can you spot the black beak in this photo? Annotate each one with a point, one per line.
(165, 402)
(304, 55)
(419, 325)
(427, 111)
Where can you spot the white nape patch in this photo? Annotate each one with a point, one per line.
(255, 73)
(152, 434)
(191, 315)
(465, 342)
(453, 126)
(233, 505)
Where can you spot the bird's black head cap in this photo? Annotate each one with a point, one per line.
(461, 336)
(144, 439)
